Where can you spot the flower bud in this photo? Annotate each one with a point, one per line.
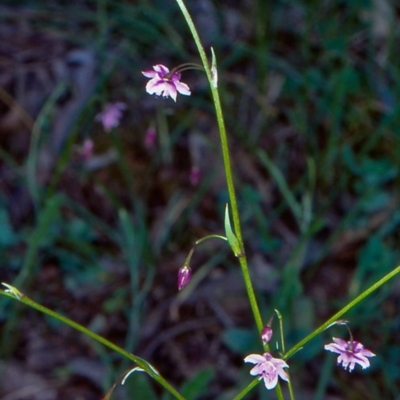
(195, 175)
(266, 334)
(184, 275)
(150, 138)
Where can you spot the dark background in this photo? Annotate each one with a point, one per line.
(310, 93)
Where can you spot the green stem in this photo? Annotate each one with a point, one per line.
(289, 382)
(227, 165)
(247, 389)
(290, 387)
(15, 294)
(203, 239)
(340, 313)
(228, 174)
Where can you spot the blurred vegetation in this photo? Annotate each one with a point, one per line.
(310, 90)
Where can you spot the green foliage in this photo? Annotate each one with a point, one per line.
(138, 386)
(198, 386)
(242, 341)
(311, 95)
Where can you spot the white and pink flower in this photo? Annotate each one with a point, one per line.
(350, 353)
(164, 83)
(268, 368)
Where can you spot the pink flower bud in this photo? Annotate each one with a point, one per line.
(184, 275)
(85, 151)
(195, 175)
(266, 334)
(150, 138)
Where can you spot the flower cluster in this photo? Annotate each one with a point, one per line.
(269, 368)
(166, 83)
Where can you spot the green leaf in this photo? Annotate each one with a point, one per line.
(214, 71)
(232, 240)
(139, 387)
(198, 385)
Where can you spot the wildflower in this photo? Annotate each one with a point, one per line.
(111, 115)
(350, 353)
(164, 83)
(268, 368)
(85, 150)
(266, 334)
(184, 275)
(150, 137)
(195, 175)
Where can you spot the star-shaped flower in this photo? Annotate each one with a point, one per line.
(268, 368)
(163, 83)
(350, 353)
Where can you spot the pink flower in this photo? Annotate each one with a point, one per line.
(266, 334)
(268, 368)
(162, 83)
(111, 115)
(350, 353)
(195, 175)
(84, 151)
(150, 137)
(184, 275)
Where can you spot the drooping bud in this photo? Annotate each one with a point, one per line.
(266, 334)
(184, 275)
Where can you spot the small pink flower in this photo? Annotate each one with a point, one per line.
(85, 150)
(184, 275)
(162, 83)
(111, 115)
(266, 334)
(268, 368)
(195, 175)
(350, 353)
(150, 138)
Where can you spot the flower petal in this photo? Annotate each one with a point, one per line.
(149, 73)
(271, 383)
(254, 359)
(161, 69)
(182, 88)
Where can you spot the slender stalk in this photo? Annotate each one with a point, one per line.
(228, 175)
(210, 237)
(247, 389)
(340, 313)
(15, 294)
(290, 387)
(227, 165)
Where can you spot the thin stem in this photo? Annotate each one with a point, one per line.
(185, 67)
(203, 239)
(281, 330)
(247, 389)
(340, 313)
(227, 165)
(291, 393)
(228, 175)
(15, 294)
(289, 382)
